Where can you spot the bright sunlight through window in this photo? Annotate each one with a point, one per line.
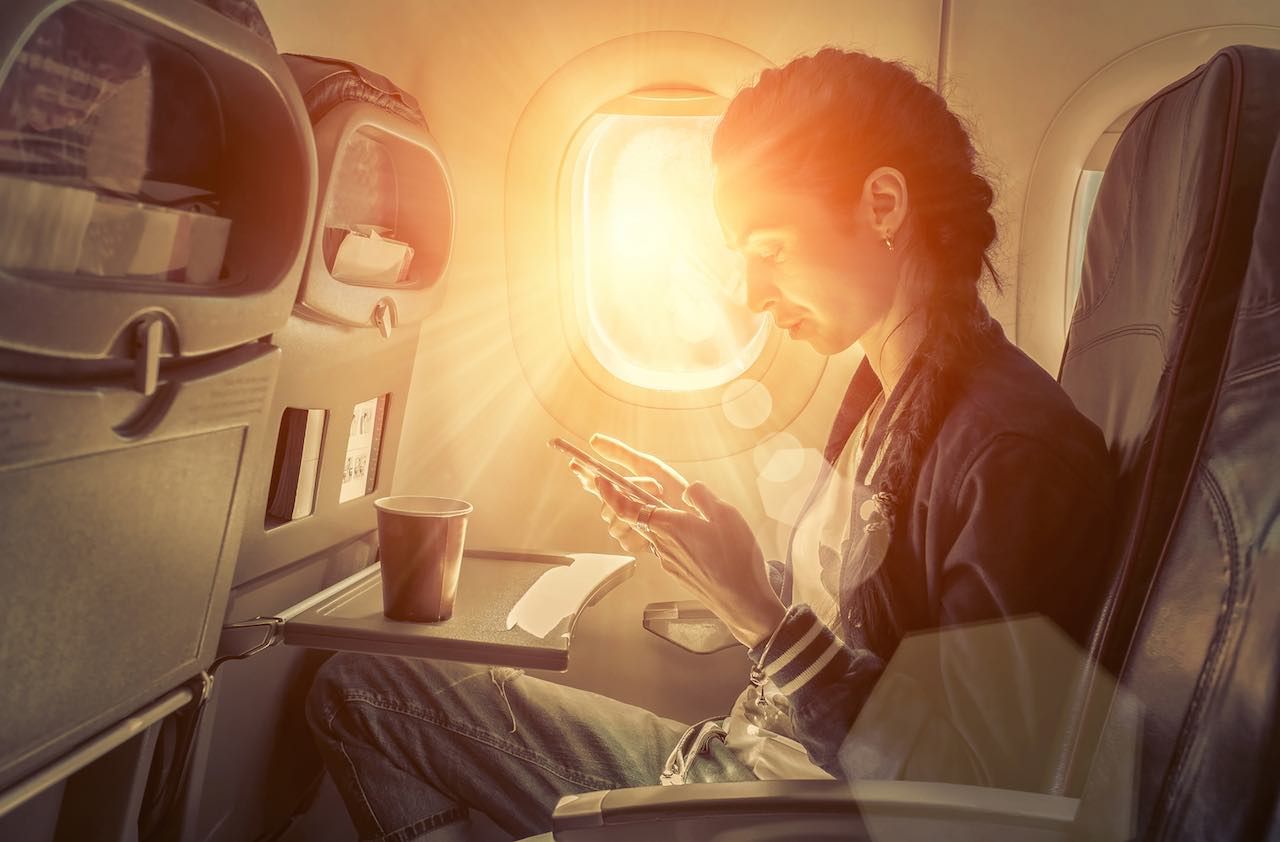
(661, 300)
(1081, 212)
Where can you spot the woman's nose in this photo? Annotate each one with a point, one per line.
(761, 291)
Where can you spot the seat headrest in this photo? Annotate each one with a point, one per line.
(325, 82)
(1167, 246)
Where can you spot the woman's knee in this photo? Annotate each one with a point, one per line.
(349, 677)
(328, 690)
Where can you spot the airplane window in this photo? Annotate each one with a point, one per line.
(660, 299)
(1081, 210)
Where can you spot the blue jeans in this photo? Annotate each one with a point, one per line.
(413, 744)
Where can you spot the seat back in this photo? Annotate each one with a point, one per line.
(1165, 255)
(1203, 665)
(338, 410)
(143, 258)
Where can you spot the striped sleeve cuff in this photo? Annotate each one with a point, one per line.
(797, 651)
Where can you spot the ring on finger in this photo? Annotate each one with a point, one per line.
(642, 519)
(641, 527)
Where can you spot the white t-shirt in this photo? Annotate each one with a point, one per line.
(760, 735)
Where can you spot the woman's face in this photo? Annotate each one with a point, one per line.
(825, 278)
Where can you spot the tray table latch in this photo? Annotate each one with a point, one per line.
(274, 633)
(148, 341)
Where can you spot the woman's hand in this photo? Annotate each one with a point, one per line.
(702, 541)
(648, 472)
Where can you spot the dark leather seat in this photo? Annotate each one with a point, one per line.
(1165, 255)
(1202, 667)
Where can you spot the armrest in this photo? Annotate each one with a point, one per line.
(813, 810)
(690, 625)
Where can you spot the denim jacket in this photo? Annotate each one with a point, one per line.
(992, 576)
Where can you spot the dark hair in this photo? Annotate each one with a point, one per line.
(819, 126)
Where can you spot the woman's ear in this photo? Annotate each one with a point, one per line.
(884, 201)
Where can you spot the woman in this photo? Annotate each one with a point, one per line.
(960, 487)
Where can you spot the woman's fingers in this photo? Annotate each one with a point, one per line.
(702, 499)
(623, 506)
(709, 548)
(618, 528)
(584, 478)
(659, 523)
(588, 480)
(639, 463)
(623, 454)
(622, 531)
(649, 484)
(634, 543)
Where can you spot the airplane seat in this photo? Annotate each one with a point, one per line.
(1168, 247)
(1202, 676)
(381, 242)
(1165, 256)
(141, 263)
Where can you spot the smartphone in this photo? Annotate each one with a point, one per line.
(597, 468)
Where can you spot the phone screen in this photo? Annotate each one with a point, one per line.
(598, 468)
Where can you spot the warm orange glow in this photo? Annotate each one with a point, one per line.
(660, 296)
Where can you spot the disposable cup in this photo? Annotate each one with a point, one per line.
(420, 544)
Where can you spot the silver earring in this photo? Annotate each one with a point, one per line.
(888, 243)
